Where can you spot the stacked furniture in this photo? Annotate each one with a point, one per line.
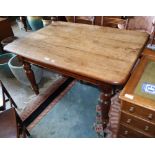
(114, 22)
(84, 19)
(144, 24)
(110, 21)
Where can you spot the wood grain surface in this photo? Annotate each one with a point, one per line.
(101, 53)
(148, 52)
(129, 89)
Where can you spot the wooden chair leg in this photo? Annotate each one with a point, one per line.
(9, 97)
(152, 35)
(74, 19)
(4, 100)
(23, 128)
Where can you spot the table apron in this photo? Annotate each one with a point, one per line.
(67, 73)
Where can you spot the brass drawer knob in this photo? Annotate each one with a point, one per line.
(126, 132)
(128, 121)
(150, 116)
(131, 109)
(146, 128)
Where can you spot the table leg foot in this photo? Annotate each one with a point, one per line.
(31, 77)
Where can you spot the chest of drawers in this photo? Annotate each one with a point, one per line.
(137, 118)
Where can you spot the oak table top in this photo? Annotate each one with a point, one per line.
(101, 53)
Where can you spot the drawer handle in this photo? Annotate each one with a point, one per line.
(131, 109)
(126, 132)
(128, 121)
(150, 116)
(146, 128)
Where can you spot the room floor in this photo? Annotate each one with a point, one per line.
(72, 117)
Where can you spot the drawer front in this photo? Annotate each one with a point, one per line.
(136, 110)
(139, 124)
(127, 132)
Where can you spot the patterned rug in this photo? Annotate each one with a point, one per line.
(114, 115)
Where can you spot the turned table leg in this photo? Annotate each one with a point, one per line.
(31, 77)
(103, 108)
(105, 101)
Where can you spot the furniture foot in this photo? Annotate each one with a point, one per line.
(31, 77)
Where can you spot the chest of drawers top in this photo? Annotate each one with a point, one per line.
(140, 89)
(138, 101)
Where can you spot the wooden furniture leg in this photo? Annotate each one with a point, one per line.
(31, 77)
(23, 18)
(6, 97)
(153, 34)
(12, 102)
(102, 20)
(22, 127)
(102, 109)
(105, 101)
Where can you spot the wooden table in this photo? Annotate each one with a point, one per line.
(100, 55)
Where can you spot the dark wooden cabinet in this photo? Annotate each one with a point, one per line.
(5, 29)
